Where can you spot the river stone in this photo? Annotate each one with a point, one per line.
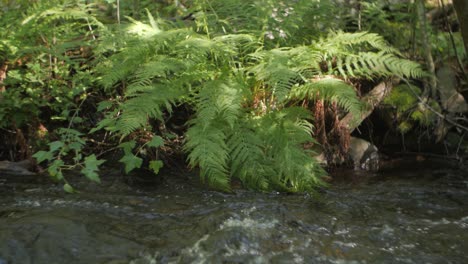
(452, 100)
(363, 154)
(16, 168)
(45, 238)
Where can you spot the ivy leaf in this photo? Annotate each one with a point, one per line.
(53, 146)
(127, 146)
(55, 169)
(156, 141)
(131, 162)
(156, 165)
(75, 146)
(68, 188)
(91, 167)
(40, 156)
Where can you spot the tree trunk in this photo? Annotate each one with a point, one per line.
(461, 7)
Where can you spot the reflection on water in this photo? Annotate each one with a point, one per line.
(416, 215)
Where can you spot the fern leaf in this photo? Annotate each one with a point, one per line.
(247, 157)
(330, 89)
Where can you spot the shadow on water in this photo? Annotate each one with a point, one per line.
(415, 214)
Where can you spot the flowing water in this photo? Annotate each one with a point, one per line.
(413, 215)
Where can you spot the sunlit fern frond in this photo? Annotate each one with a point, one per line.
(218, 109)
(284, 133)
(277, 70)
(363, 55)
(248, 157)
(332, 90)
(208, 151)
(139, 107)
(353, 41)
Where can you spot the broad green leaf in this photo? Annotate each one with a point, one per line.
(77, 120)
(91, 167)
(68, 188)
(128, 146)
(40, 156)
(55, 145)
(76, 145)
(55, 169)
(131, 162)
(156, 165)
(157, 141)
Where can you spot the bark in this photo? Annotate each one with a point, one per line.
(461, 7)
(371, 100)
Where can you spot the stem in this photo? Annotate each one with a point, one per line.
(90, 29)
(118, 12)
(452, 40)
(432, 80)
(449, 120)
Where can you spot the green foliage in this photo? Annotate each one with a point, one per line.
(69, 147)
(330, 89)
(46, 53)
(409, 111)
(264, 152)
(219, 76)
(241, 67)
(391, 21)
(364, 55)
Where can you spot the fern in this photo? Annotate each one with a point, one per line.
(218, 110)
(217, 76)
(352, 59)
(284, 133)
(330, 89)
(265, 152)
(247, 156)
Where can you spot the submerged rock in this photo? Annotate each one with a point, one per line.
(363, 154)
(16, 168)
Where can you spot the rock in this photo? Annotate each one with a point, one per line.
(452, 101)
(16, 168)
(63, 237)
(363, 154)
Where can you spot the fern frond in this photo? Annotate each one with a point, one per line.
(350, 41)
(364, 55)
(150, 103)
(330, 89)
(284, 133)
(218, 109)
(207, 150)
(247, 157)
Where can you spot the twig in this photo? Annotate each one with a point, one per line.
(452, 40)
(459, 143)
(91, 29)
(433, 110)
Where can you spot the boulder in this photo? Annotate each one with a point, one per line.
(16, 168)
(363, 154)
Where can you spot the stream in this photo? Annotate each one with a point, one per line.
(409, 214)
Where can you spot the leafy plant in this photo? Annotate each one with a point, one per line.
(244, 73)
(408, 110)
(245, 125)
(70, 146)
(47, 52)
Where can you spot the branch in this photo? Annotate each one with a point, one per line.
(372, 100)
(444, 117)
